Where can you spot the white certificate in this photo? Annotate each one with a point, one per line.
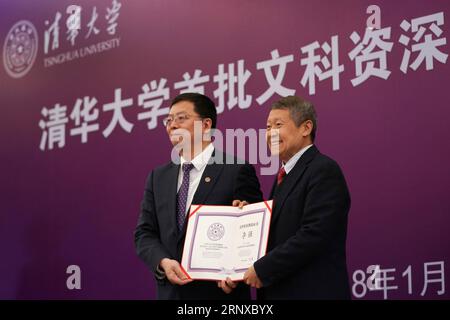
(223, 241)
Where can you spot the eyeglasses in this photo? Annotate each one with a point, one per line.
(180, 118)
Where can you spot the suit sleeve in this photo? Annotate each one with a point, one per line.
(247, 185)
(325, 214)
(146, 235)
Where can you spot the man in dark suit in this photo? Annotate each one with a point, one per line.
(204, 176)
(306, 256)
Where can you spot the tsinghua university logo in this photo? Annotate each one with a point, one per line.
(20, 49)
(64, 37)
(216, 231)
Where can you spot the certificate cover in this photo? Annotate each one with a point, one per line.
(223, 241)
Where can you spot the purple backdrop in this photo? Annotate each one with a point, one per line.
(78, 203)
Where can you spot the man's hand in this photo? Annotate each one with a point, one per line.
(239, 203)
(251, 278)
(227, 285)
(173, 272)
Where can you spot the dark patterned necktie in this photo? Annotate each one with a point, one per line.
(182, 195)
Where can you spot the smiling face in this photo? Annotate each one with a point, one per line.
(283, 137)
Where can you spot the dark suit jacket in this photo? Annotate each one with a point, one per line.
(306, 256)
(157, 235)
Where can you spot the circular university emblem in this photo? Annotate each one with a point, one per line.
(20, 49)
(216, 231)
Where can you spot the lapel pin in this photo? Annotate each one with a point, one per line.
(207, 179)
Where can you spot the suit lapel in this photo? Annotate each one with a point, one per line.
(281, 192)
(207, 183)
(171, 185)
(274, 187)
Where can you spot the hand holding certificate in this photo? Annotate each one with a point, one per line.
(223, 241)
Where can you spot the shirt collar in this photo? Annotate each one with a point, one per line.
(201, 159)
(288, 166)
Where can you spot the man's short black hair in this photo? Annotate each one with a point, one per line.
(203, 105)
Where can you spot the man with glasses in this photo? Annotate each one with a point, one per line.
(203, 176)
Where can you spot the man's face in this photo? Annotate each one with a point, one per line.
(283, 137)
(182, 118)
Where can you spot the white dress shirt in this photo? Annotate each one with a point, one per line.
(199, 162)
(288, 166)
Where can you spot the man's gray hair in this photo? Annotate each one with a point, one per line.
(300, 111)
